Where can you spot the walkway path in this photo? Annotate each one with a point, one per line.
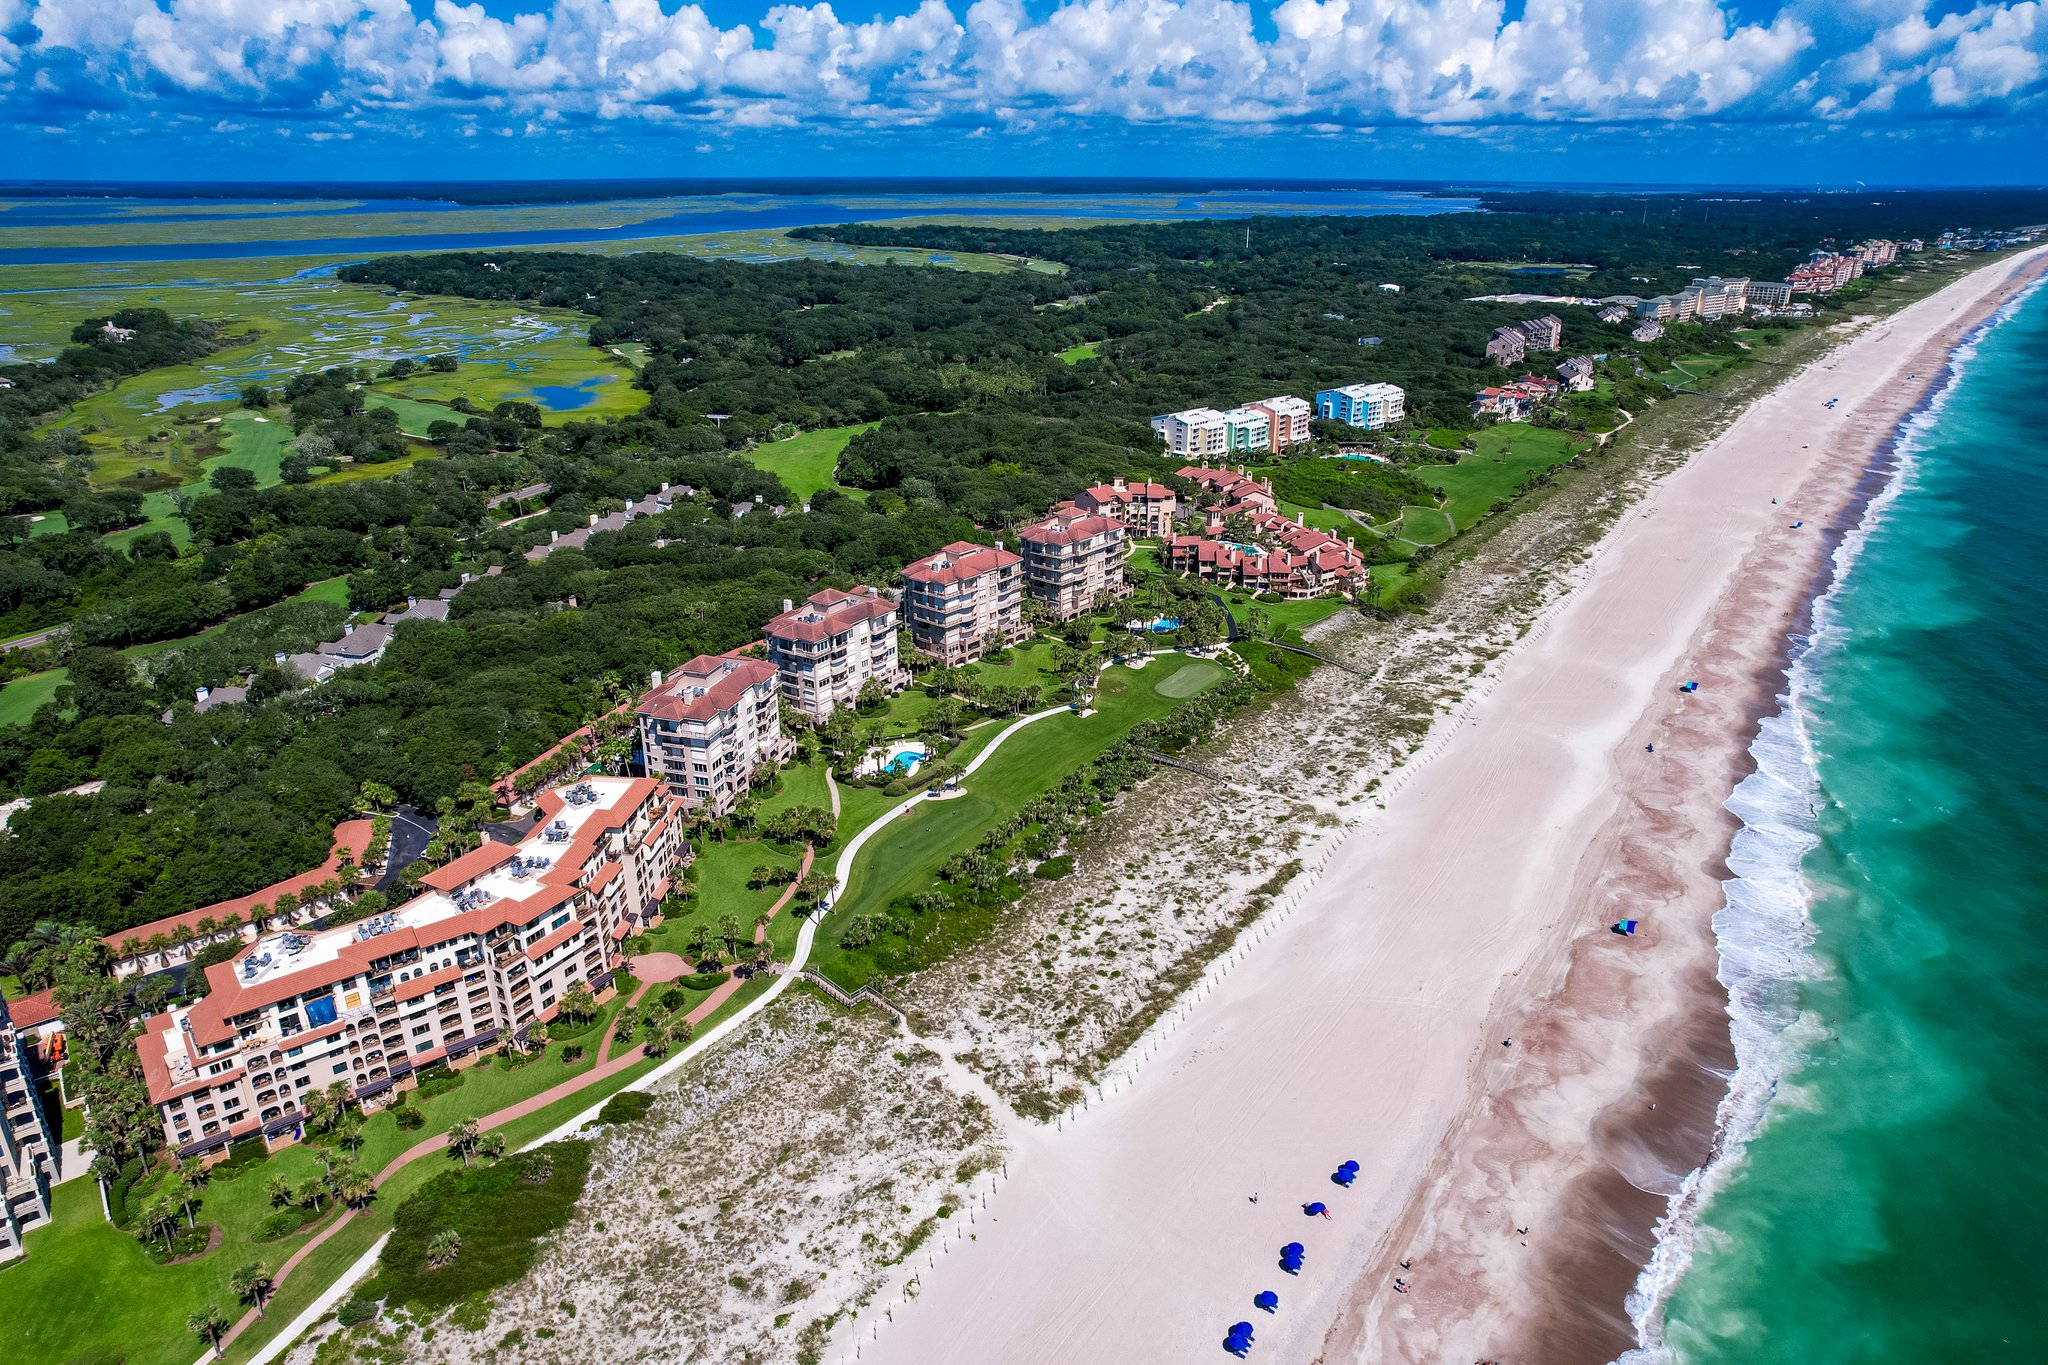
(605, 1068)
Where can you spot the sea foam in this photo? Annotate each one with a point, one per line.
(1764, 931)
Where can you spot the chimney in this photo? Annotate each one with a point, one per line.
(411, 601)
(201, 693)
(788, 605)
(554, 536)
(664, 486)
(572, 601)
(278, 658)
(348, 628)
(593, 518)
(465, 578)
(654, 678)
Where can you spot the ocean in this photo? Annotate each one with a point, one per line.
(1877, 1194)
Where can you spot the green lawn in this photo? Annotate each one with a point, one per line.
(1508, 453)
(1422, 526)
(20, 698)
(414, 416)
(721, 881)
(905, 857)
(1087, 350)
(805, 463)
(256, 442)
(1285, 615)
(1327, 519)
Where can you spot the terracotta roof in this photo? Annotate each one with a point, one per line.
(959, 562)
(706, 686)
(31, 1010)
(1070, 529)
(830, 613)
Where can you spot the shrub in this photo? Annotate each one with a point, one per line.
(241, 1156)
(117, 1193)
(702, 981)
(282, 1223)
(409, 1118)
(572, 1052)
(896, 787)
(625, 1107)
(1052, 869)
(437, 1080)
(356, 1310)
(498, 1214)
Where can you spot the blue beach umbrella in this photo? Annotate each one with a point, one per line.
(1294, 1249)
(1313, 1209)
(1344, 1177)
(1350, 1166)
(1266, 1299)
(1241, 1329)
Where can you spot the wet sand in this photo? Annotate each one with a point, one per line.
(1369, 1023)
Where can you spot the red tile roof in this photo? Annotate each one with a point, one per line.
(705, 686)
(470, 866)
(959, 562)
(829, 613)
(1070, 529)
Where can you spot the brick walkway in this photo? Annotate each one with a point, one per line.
(605, 1069)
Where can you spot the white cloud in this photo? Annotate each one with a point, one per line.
(1344, 63)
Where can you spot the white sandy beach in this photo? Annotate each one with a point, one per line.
(1369, 1023)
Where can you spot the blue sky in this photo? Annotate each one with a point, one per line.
(1590, 91)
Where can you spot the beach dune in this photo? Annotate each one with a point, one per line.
(1382, 1020)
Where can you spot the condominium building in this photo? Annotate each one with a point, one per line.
(1767, 293)
(1613, 312)
(1719, 298)
(1148, 509)
(1294, 560)
(1074, 561)
(1238, 491)
(1194, 432)
(1647, 331)
(1577, 373)
(1543, 334)
(1363, 405)
(490, 948)
(1507, 346)
(707, 726)
(964, 601)
(1247, 429)
(1287, 418)
(27, 1146)
(826, 650)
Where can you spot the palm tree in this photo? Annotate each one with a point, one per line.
(679, 1031)
(462, 1139)
(209, 1324)
(159, 1218)
(352, 1185)
(279, 1188)
(540, 1168)
(729, 932)
(308, 1193)
(761, 923)
(443, 1247)
(252, 1285)
(491, 1146)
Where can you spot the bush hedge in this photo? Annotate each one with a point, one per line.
(625, 1107)
(498, 1213)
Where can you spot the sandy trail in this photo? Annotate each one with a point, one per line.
(1367, 1024)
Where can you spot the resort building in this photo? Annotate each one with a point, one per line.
(1363, 405)
(1246, 429)
(1543, 334)
(1767, 293)
(964, 601)
(1194, 432)
(1515, 402)
(1074, 561)
(1287, 418)
(826, 650)
(1507, 346)
(1647, 331)
(1236, 490)
(1613, 312)
(1148, 509)
(1577, 373)
(27, 1147)
(709, 725)
(1296, 561)
(494, 944)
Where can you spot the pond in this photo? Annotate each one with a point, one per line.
(568, 397)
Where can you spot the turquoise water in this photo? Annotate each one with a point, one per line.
(1890, 1205)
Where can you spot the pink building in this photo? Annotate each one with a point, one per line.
(964, 601)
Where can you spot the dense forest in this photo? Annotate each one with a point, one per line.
(982, 425)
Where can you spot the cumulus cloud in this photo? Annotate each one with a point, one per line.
(998, 63)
